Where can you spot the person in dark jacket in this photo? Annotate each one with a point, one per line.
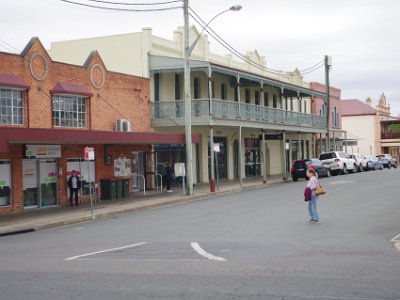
(74, 185)
(168, 176)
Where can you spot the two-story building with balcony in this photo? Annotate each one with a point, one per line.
(377, 131)
(50, 112)
(261, 120)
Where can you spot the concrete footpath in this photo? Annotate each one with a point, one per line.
(44, 218)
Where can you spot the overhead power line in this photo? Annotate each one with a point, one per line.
(135, 4)
(121, 8)
(241, 56)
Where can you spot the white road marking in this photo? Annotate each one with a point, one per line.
(396, 238)
(108, 250)
(200, 251)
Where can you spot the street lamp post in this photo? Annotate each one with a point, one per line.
(188, 102)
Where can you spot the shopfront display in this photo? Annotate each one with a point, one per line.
(252, 157)
(5, 182)
(40, 182)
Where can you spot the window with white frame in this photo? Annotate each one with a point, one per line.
(69, 111)
(11, 106)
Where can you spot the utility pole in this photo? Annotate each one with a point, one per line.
(328, 64)
(188, 103)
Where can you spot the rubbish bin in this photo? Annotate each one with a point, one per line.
(108, 189)
(125, 187)
(119, 188)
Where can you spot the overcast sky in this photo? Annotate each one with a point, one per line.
(361, 36)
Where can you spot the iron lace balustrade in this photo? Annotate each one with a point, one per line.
(231, 110)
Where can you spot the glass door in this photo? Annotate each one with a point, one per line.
(40, 182)
(48, 182)
(30, 174)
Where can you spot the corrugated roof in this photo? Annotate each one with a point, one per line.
(355, 107)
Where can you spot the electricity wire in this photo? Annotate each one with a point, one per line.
(136, 4)
(121, 9)
(231, 49)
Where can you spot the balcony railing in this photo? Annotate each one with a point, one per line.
(233, 110)
(390, 135)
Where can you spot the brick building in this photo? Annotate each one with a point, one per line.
(51, 111)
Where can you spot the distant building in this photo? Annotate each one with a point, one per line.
(376, 130)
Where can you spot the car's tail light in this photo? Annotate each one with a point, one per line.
(337, 159)
(292, 169)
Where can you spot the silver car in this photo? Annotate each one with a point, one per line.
(387, 160)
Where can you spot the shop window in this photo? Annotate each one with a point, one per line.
(5, 182)
(69, 111)
(252, 157)
(86, 171)
(11, 106)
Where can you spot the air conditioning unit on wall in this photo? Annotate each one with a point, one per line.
(123, 125)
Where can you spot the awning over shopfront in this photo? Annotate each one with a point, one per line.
(12, 135)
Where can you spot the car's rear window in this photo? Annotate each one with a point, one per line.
(327, 156)
(299, 164)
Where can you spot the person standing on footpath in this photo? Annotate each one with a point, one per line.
(168, 176)
(312, 204)
(74, 185)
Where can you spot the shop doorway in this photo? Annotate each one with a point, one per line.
(40, 182)
(236, 159)
(252, 157)
(138, 170)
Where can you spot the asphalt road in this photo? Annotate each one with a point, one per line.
(251, 245)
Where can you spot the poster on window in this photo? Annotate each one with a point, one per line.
(5, 174)
(30, 173)
(122, 167)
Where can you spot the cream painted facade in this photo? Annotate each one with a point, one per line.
(367, 129)
(234, 98)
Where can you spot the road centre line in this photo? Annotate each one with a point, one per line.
(108, 250)
(200, 251)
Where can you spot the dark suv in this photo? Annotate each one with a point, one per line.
(387, 160)
(299, 168)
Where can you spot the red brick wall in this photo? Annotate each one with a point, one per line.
(120, 97)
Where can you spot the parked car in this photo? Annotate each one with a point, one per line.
(338, 162)
(387, 160)
(299, 168)
(359, 160)
(373, 163)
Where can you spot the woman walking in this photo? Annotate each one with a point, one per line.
(312, 204)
